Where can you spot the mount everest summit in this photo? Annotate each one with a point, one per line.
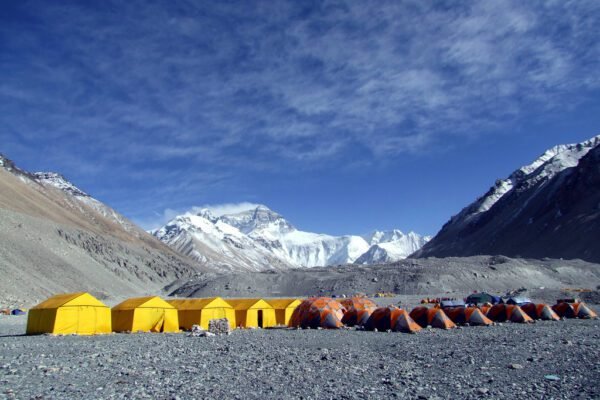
(259, 238)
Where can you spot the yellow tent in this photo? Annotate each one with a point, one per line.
(149, 314)
(201, 311)
(253, 313)
(284, 309)
(70, 313)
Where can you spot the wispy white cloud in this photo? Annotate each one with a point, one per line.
(393, 76)
(176, 98)
(227, 208)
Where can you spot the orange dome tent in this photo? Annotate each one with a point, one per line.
(583, 311)
(318, 312)
(468, 315)
(540, 311)
(431, 316)
(391, 318)
(508, 312)
(564, 310)
(358, 310)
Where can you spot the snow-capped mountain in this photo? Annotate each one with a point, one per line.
(263, 239)
(207, 239)
(390, 246)
(527, 214)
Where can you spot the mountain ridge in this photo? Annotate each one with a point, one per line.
(270, 231)
(526, 214)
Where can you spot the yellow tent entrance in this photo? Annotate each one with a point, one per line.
(253, 313)
(201, 311)
(148, 314)
(284, 308)
(70, 313)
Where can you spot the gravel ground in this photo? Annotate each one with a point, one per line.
(505, 361)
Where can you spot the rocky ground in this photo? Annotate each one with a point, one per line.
(546, 360)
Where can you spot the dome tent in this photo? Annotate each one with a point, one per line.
(540, 311)
(508, 312)
(431, 316)
(318, 312)
(358, 310)
(391, 318)
(584, 312)
(468, 315)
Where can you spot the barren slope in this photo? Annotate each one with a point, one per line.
(52, 241)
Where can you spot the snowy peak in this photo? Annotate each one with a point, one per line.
(259, 218)
(207, 214)
(59, 182)
(389, 246)
(376, 237)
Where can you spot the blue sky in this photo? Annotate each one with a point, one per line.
(342, 116)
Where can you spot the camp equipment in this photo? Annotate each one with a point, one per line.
(69, 313)
(147, 314)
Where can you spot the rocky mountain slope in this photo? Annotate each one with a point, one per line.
(550, 208)
(259, 238)
(54, 237)
(451, 277)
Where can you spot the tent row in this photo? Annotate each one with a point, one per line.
(83, 314)
(323, 312)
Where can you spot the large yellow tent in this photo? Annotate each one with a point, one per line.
(284, 308)
(148, 314)
(201, 311)
(253, 313)
(70, 313)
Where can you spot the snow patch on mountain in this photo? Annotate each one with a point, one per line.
(59, 182)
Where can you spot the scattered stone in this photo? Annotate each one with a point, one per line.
(551, 378)
(219, 326)
(515, 366)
